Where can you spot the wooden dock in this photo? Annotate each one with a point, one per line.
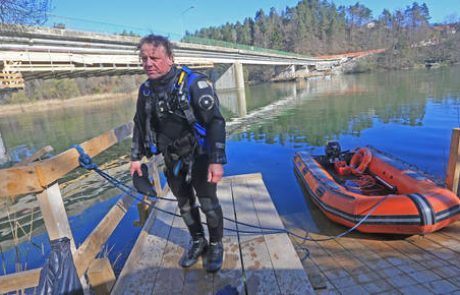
(253, 263)
(379, 264)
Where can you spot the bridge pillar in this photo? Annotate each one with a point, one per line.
(234, 100)
(3, 155)
(242, 107)
(286, 74)
(232, 78)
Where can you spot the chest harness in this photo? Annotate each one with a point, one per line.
(180, 152)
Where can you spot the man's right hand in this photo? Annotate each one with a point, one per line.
(135, 167)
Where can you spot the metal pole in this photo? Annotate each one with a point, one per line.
(183, 18)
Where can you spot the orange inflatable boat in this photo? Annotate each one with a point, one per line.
(392, 196)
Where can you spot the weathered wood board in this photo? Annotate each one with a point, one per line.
(253, 263)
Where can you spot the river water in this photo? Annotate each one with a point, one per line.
(409, 114)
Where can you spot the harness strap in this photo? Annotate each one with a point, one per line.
(185, 97)
(185, 105)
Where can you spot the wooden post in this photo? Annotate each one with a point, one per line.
(453, 167)
(100, 276)
(54, 215)
(36, 156)
(92, 245)
(55, 218)
(155, 172)
(3, 155)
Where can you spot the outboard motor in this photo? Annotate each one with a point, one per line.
(332, 151)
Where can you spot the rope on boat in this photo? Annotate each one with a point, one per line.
(87, 163)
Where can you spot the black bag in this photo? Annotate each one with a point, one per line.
(59, 275)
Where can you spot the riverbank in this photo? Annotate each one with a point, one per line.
(52, 104)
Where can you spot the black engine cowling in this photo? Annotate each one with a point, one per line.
(333, 151)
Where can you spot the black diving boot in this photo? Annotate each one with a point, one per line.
(198, 247)
(215, 256)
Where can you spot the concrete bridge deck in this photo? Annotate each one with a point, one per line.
(29, 53)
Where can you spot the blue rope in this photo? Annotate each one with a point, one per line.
(84, 159)
(87, 163)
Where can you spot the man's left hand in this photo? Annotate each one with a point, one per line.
(215, 172)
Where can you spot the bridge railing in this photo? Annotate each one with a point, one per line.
(41, 178)
(213, 42)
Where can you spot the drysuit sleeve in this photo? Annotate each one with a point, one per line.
(206, 107)
(137, 145)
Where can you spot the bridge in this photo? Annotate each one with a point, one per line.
(42, 53)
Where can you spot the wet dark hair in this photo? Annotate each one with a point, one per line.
(157, 40)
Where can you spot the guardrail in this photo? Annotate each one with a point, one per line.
(41, 178)
(220, 43)
(44, 46)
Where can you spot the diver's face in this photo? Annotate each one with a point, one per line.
(155, 61)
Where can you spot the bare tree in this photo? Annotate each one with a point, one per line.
(24, 12)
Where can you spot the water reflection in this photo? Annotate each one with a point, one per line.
(65, 126)
(409, 114)
(326, 109)
(234, 101)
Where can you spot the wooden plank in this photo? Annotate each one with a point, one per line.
(4, 158)
(434, 248)
(144, 261)
(289, 271)
(231, 272)
(100, 276)
(241, 178)
(452, 231)
(258, 268)
(57, 225)
(160, 274)
(55, 218)
(169, 278)
(36, 156)
(153, 166)
(453, 167)
(20, 280)
(86, 253)
(54, 214)
(38, 176)
(196, 279)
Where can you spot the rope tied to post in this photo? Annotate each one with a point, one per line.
(84, 159)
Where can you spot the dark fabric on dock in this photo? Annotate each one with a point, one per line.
(59, 275)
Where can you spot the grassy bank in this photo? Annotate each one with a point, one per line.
(51, 104)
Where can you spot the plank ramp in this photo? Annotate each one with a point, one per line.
(371, 264)
(254, 263)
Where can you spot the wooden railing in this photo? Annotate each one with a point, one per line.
(11, 80)
(41, 178)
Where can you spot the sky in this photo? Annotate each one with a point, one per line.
(173, 17)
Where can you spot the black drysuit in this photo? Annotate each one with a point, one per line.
(161, 121)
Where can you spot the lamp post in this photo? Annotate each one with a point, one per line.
(183, 17)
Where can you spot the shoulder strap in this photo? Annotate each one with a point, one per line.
(185, 102)
(191, 77)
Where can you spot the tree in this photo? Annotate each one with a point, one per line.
(24, 12)
(245, 36)
(357, 16)
(260, 29)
